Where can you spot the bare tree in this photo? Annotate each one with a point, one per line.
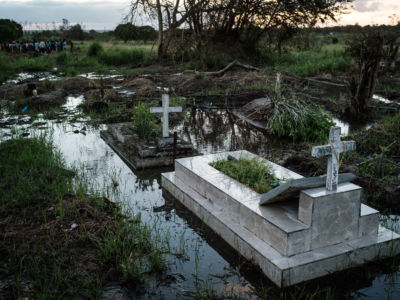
(170, 15)
(374, 53)
(232, 20)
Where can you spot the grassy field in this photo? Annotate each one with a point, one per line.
(59, 239)
(129, 57)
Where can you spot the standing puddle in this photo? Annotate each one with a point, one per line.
(208, 262)
(32, 76)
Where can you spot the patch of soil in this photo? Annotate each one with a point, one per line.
(74, 236)
(384, 195)
(11, 91)
(243, 79)
(95, 102)
(110, 95)
(190, 83)
(304, 164)
(76, 85)
(53, 98)
(256, 110)
(144, 87)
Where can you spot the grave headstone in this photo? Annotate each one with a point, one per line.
(165, 110)
(333, 150)
(102, 88)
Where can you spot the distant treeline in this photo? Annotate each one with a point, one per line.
(356, 28)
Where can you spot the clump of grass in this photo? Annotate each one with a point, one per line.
(7, 69)
(383, 134)
(55, 240)
(308, 63)
(251, 172)
(143, 121)
(42, 63)
(94, 49)
(32, 174)
(122, 57)
(291, 118)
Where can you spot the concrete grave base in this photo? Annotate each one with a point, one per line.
(139, 153)
(287, 250)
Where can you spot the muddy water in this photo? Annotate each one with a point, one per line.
(206, 261)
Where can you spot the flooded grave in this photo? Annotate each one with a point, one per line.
(321, 231)
(201, 261)
(148, 152)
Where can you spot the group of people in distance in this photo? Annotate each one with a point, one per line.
(38, 47)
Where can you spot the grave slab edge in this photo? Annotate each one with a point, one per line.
(283, 275)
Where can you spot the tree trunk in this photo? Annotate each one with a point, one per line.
(160, 31)
(368, 76)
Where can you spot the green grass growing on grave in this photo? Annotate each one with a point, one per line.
(59, 238)
(144, 122)
(250, 172)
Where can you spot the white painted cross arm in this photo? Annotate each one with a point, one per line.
(333, 150)
(165, 110)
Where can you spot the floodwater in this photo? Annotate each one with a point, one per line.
(205, 261)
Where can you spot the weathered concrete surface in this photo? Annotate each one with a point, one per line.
(280, 269)
(141, 153)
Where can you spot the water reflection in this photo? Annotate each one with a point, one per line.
(216, 130)
(201, 257)
(32, 76)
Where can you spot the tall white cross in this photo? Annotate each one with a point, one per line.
(334, 149)
(165, 110)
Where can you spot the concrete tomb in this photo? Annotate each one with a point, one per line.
(152, 152)
(303, 237)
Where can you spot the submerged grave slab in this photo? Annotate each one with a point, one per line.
(140, 153)
(313, 235)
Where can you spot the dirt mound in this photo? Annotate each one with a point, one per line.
(76, 85)
(243, 79)
(53, 98)
(188, 83)
(109, 95)
(256, 110)
(305, 165)
(143, 87)
(11, 91)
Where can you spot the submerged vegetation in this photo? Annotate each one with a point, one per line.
(251, 172)
(59, 239)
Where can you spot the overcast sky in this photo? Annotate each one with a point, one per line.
(107, 14)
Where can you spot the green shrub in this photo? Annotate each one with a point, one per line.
(291, 118)
(61, 58)
(143, 121)
(43, 63)
(251, 172)
(95, 49)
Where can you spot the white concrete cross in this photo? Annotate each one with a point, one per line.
(334, 149)
(165, 110)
